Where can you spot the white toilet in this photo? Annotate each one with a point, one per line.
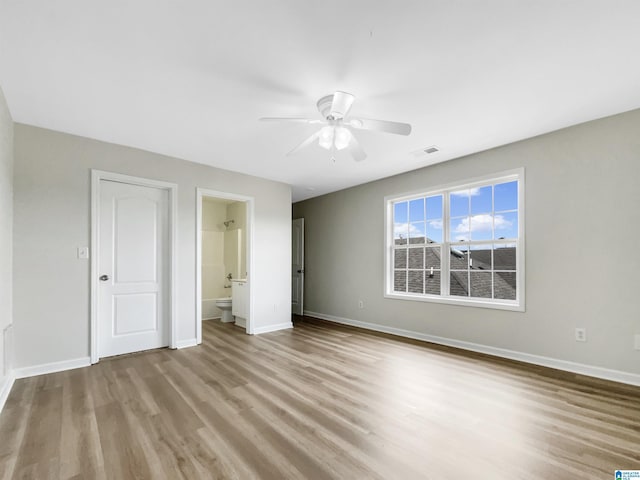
(224, 304)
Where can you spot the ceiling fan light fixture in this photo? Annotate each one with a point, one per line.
(325, 139)
(342, 137)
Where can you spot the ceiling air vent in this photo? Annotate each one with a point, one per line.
(425, 151)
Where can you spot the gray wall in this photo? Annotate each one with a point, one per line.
(52, 219)
(582, 262)
(6, 222)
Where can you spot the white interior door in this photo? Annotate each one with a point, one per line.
(297, 266)
(133, 261)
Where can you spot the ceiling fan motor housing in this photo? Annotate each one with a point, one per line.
(324, 105)
(335, 108)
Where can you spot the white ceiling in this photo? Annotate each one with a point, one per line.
(190, 78)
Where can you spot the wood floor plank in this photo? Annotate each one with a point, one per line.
(124, 456)
(320, 401)
(12, 430)
(40, 447)
(81, 453)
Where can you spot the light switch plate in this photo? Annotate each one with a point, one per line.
(83, 253)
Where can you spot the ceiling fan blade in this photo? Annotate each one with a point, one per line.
(381, 126)
(305, 143)
(291, 119)
(341, 104)
(356, 150)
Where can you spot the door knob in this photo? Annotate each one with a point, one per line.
(104, 278)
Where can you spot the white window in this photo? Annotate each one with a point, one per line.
(460, 244)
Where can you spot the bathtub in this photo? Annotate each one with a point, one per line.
(209, 309)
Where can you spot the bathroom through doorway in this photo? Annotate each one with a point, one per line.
(223, 263)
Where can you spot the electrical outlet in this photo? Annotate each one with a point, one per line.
(581, 334)
(636, 343)
(360, 304)
(83, 253)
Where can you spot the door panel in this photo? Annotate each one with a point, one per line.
(135, 313)
(133, 259)
(135, 231)
(297, 266)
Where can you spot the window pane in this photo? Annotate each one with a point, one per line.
(506, 225)
(505, 196)
(458, 258)
(416, 258)
(434, 207)
(400, 212)
(504, 285)
(504, 257)
(400, 233)
(417, 232)
(416, 210)
(459, 203)
(458, 284)
(400, 258)
(481, 226)
(400, 281)
(400, 241)
(434, 231)
(432, 283)
(416, 281)
(481, 200)
(432, 257)
(480, 257)
(480, 284)
(459, 229)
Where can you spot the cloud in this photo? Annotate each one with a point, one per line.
(471, 192)
(480, 223)
(401, 229)
(476, 223)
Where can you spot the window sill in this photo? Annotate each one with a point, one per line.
(463, 302)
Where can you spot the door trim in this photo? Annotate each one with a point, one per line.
(96, 177)
(250, 201)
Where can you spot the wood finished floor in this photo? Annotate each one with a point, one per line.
(320, 401)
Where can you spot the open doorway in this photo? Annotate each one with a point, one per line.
(297, 266)
(224, 224)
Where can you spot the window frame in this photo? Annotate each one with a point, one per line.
(389, 248)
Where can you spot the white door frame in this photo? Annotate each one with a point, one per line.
(96, 177)
(250, 202)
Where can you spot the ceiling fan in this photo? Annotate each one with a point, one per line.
(336, 133)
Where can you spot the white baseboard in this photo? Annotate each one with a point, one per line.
(580, 368)
(272, 328)
(212, 318)
(192, 342)
(53, 367)
(5, 389)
